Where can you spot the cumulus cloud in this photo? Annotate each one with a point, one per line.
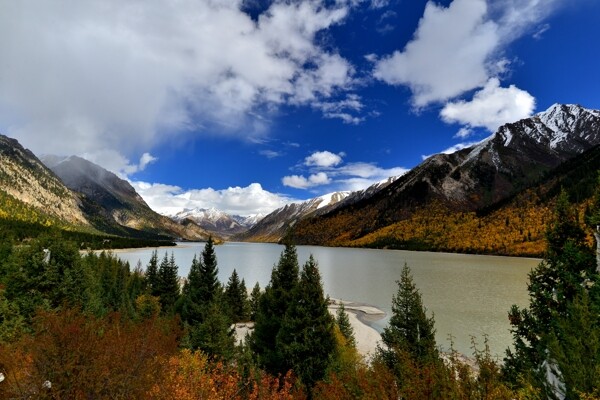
(458, 48)
(300, 182)
(448, 54)
(121, 76)
(252, 199)
(491, 107)
(323, 159)
(327, 170)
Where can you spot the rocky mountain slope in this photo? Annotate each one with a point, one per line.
(112, 205)
(514, 158)
(25, 180)
(217, 222)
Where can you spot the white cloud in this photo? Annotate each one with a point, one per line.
(270, 153)
(359, 176)
(300, 182)
(464, 133)
(369, 171)
(453, 149)
(448, 54)
(379, 3)
(146, 159)
(458, 48)
(80, 77)
(342, 109)
(252, 199)
(323, 159)
(115, 162)
(491, 107)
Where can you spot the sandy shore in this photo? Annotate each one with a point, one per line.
(360, 315)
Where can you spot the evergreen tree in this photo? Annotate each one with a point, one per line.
(557, 281)
(214, 335)
(254, 301)
(410, 332)
(236, 298)
(306, 338)
(273, 305)
(574, 348)
(343, 322)
(168, 283)
(209, 282)
(190, 304)
(152, 274)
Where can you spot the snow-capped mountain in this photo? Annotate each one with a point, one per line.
(518, 155)
(216, 221)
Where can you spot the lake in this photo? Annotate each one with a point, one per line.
(470, 295)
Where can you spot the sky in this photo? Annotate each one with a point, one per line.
(247, 105)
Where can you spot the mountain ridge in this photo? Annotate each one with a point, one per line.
(112, 204)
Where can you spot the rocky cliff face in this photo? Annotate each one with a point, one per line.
(24, 177)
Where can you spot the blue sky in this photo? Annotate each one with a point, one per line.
(245, 105)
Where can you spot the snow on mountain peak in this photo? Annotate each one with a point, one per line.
(331, 198)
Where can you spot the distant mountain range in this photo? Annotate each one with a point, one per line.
(217, 222)
(492, 197)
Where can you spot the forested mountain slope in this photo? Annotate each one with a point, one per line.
(422, 208)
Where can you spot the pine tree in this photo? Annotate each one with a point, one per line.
(306, 338)
(410, 332)
(190, 304)
(556, 282)
(168, 283)
(273, 305)
(254, 301)
(343, 322)
(574, 346)
(236, 298)
(152, 274)
(214, 335)
(209, 282)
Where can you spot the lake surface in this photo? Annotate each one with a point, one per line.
(470, 295)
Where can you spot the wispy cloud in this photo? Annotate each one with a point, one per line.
(270, 153)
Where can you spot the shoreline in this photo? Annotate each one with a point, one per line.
(361, 315)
